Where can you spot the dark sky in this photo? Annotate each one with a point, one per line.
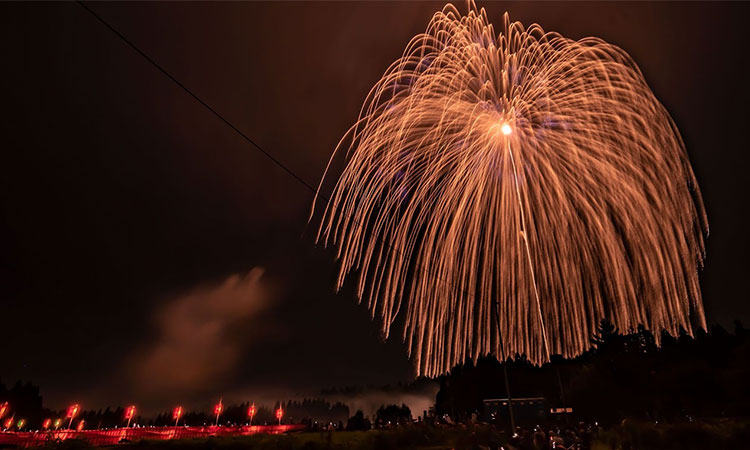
(147, 251)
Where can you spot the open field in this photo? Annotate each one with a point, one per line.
(412, 437)
(718, 434)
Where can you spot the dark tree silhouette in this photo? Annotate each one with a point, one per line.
(392, 415)
(358, 422)
(623, 375)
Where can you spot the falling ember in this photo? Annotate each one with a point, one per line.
(522, 168)
(73, 411)
(251, 413)
(218, 409)
(129, 414)
(177, 413)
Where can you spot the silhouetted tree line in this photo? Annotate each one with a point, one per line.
(101, 418)
(305, 411)
(623, 375)
(233, 414)
(26, 402)
(392, 415)
(358, 422)
(317, 410)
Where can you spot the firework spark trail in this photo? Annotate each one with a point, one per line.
(524, 168)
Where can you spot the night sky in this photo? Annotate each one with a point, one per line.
(149, 253)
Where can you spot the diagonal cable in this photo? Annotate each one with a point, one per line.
(199, 100)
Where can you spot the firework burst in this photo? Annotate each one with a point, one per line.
(520, 169)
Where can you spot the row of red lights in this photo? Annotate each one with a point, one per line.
(73, 411)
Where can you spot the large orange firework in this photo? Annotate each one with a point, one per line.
(524, 170)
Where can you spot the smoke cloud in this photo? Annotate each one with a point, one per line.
(201, 336)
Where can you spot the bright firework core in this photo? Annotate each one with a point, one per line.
(588, 217)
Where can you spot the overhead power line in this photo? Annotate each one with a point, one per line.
(199, 100)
